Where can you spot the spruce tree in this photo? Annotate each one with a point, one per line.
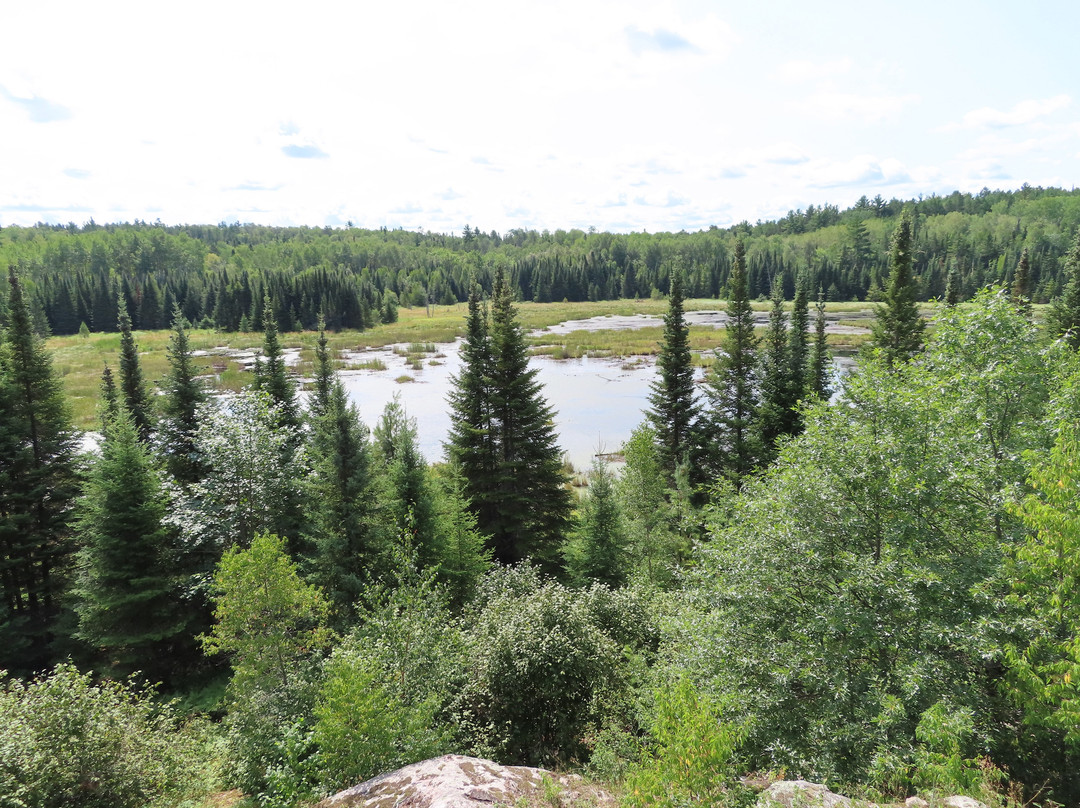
(110, 398)
(798, 350)
(324, 374)
(952, 286)
(532, 504)
(820, 363)
(126, 592)
(897, 327)
(775, 416)
(134, 395)
(271, 375)
(673, 408)
(37, 487)
(1063, 319)
(502, 437)
(731, 384)
(471, 441)
(597, 550)
(1021, 288)
(345, 533)
(183, 396)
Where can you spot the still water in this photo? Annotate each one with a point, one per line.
(597, 402)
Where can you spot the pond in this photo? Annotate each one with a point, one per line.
(597, 402)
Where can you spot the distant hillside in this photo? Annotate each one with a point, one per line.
(219, 275)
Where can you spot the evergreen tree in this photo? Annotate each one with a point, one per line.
(471, 441)
(731, 384)
(37, 486)
(183, 396)
(324, 374)
(502, 439)
(344, 532)
(898, 328)
(1063, 319)
(531, 501)
(598, 547)
(134, 395)
(463, 556)
(1021, 288)
(271, 375)
(673, 408)
(110, 398)
(798, 351)
(952, 286)
(820, 362)
(127, 605)
(775, 415)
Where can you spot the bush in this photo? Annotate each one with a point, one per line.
(548, 666)
(67, 741)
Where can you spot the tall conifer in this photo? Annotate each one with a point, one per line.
(775, 415)
(731, 384)
(1021, 288)
(1063, 319)
(818, 368)
(134, 395)
(271, 375)
(897, 327)
(672, 405)
(37, 487)
(183, 395)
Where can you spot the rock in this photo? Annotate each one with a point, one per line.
(962, 802)
(916, 802)
(456, 781)
(802, 794)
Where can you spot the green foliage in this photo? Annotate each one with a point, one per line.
(127, 591)
(672, 404)
(363, 728)
(183, 395)
(853, 579)
(776, 415)
(271, 375)
(133, 392)
(267, 618)
(731, 386)
(37, 487)
(1063, 319)
(546, 665)
(690, 760)
(597, 550)
(819, 369)
(898, 328)
(502, 438)
(67, 741)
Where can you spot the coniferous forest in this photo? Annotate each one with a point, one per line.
(871, 581)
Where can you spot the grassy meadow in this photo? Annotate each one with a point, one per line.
(79, 360)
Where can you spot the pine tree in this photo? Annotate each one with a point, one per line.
(898, 328)
(1021, 288)
(345, 534)
(820, 362)
(324, 374)
(471, 442)
(798, 351)
(1063, 319)
(271, 375)
(502, 437)
(37, 487)
(183, 396)
(531, 499)
(952, 286)
(597, 550)
(110, 397)
(134, 395)
(127, 604)
(775, 415)
(731, 384)
(673, 408)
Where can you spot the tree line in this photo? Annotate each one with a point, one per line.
(220, 275)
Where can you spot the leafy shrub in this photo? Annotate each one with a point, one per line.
(67, 741)
(546, 664)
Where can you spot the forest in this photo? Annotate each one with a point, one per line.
(220, 275)
(869, 581)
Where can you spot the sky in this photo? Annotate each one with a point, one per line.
(622, 115)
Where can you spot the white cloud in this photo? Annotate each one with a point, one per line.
(835, 106)
(1021, 113)
(799, 70)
